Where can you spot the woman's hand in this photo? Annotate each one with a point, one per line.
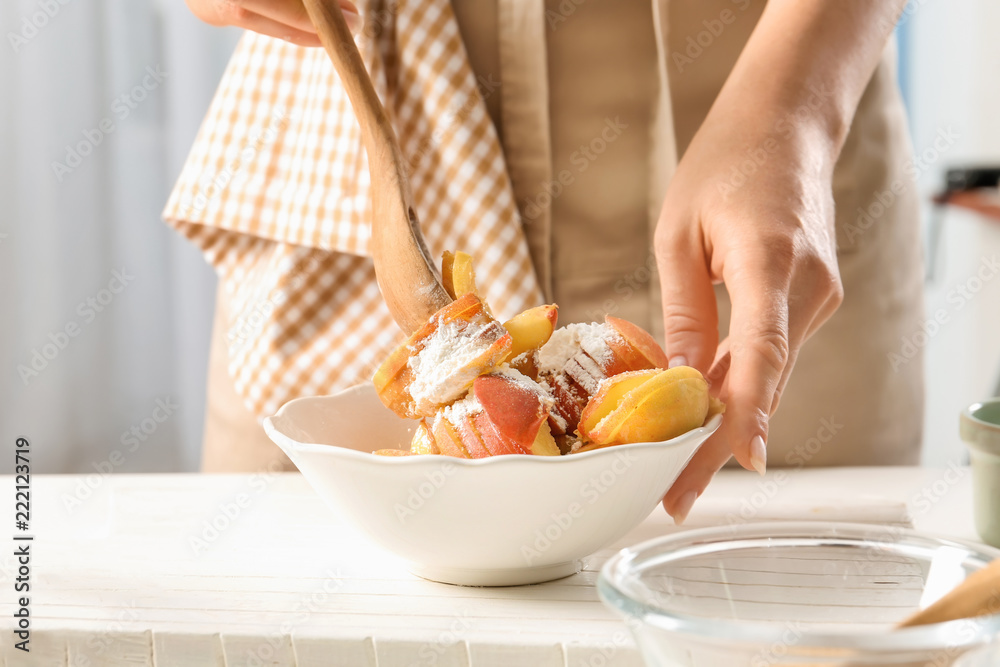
(751, 206)
(284, 19)
(769, 236)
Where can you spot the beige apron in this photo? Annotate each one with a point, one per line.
(590, 135)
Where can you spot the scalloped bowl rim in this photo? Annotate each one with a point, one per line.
(272, 430)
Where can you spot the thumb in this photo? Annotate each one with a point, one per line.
(690, 317)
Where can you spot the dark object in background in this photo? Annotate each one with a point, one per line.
(969, 178)
(973, 188)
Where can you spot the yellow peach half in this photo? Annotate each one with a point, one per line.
(458, 276)
(529, 331)
(544, 444)
(664, 406)
(423, 441)
(609, 395)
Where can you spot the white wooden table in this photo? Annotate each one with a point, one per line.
(133, 573)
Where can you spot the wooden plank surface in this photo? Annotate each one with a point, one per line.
(125, 572)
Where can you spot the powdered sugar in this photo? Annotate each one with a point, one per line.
(445, 366)
(555, 410)
(587, 373)
(569, 340)
(459, 411)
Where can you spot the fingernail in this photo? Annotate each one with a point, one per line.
(758, 454)
(683, 507)
(679, 360)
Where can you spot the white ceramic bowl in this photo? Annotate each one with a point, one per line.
(498, 521)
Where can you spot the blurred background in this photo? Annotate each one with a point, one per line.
(107, 312)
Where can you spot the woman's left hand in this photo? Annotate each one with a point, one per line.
(750, 206)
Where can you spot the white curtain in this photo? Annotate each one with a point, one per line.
(106, 312)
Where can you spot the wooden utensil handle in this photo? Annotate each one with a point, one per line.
(338, 41)
(977, 595)
(406, 275)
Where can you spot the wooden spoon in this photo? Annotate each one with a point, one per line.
(977, 595)
(405, 272)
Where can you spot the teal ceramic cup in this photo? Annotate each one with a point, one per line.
(980, 429)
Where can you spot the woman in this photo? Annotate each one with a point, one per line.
(788, 127)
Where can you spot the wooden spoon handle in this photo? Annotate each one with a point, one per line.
(406, 274)
(338, 41)
(978, 595)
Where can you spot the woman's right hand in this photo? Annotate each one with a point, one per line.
(284, 19)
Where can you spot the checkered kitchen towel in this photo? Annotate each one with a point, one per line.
(275, 192)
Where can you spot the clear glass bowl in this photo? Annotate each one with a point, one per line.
(982, 657)
(808, 593)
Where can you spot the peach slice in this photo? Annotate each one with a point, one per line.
(392, 452)
(437, 364)
(610, 394)
(513, 404)
(578, 357)
(448, 439)
(570, 399)
(544, 444)
(492, 438)
(423, 441)
(664, 406)
(457, 274)
(505, 413)
(529, 331)
(634, 347)
(447, 272)
(461, 430)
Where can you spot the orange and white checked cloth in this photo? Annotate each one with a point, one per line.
(275, 192)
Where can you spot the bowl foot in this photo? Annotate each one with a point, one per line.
(495, 577)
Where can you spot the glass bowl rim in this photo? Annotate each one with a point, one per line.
(937, 636)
